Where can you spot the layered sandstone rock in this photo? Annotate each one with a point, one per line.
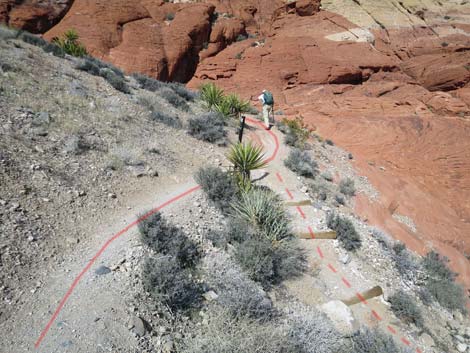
(36, 16)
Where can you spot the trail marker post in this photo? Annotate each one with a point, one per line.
(241, 128)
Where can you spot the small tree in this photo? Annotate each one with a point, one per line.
(245, 158)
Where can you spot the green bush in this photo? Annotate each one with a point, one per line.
(296, 132)
(70, 44)
(207, 127)
(110, 73)
(170, 284)
(167, 119)
(41, 43)
(405, 308)
(170, 16)
(406, 264)
(345, 232)
(346, 187)
(440, 282)
(375, 341)
(263, 210)
(340, 199)
(166, 239)
(301, 163)
(219, 186)
(329, 142)
(320, 189)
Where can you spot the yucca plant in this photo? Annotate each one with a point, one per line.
(245, 158)
(224, 108)
(69, 44)
(211, 95)
(264, 210)
(237, 105)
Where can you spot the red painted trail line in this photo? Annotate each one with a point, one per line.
(124, 230)
(346, 282)
(312, 234)
(279, 177)
(330, 266)
(391, 329)
(98, 254)
(405, 341)
(377, 316)
(419, 350)
(289, 193)
(320, 252)
(361, 298)
(302, 214)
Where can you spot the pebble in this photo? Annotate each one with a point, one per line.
(461, 347)
(102, 270)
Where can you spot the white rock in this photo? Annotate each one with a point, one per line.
(462, 347)
(341, 316)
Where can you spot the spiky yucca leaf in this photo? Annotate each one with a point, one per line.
(264, 210)
(237, 105)
(245, 158)
(211, 95)
(224, 108)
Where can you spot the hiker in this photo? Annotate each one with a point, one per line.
(267, 100)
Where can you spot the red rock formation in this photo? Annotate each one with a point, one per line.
(36, 16)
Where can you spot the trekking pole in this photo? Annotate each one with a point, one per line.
(242, 126)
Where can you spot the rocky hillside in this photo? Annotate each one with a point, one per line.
(387, 80)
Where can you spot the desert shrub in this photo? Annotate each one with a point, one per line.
(347, 235)
(89, 66)
(166, 239)
(219, 186)
(375, 341)
(301, 163)
(211, 95)
(346, 187)
(174, 99)
(115, 80)
(320, 189)
(7, 33)
(70, 44)
(241, 37)
(182, 91)
(167, 119)
(32, 39)
(148, 83)
(54, 50)
(207, 127)
(329, 142)
(296, 132)
(170, 16)
(269, 263)
(405, 262)
(311, 331)
(236, 231)
(425, 296)
(170, 284)
(223, 108)
(224, 334)
(440, 282)
(383, 239)
(405, 308)
(236, 292)
(264, 210)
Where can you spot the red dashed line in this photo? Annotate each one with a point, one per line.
(391, 329)
(289, 193)
(361, 298)
(405, 341)
(346, 282)
(332, 268)
(320, 252)
(279, 177)
(312, 234)
(302, 214)
(419, 350)
(377, 316)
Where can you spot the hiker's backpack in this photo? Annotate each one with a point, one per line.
(268, 98)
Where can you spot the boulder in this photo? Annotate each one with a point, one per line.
(341, 316)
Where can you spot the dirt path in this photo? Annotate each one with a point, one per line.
(79, 310)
